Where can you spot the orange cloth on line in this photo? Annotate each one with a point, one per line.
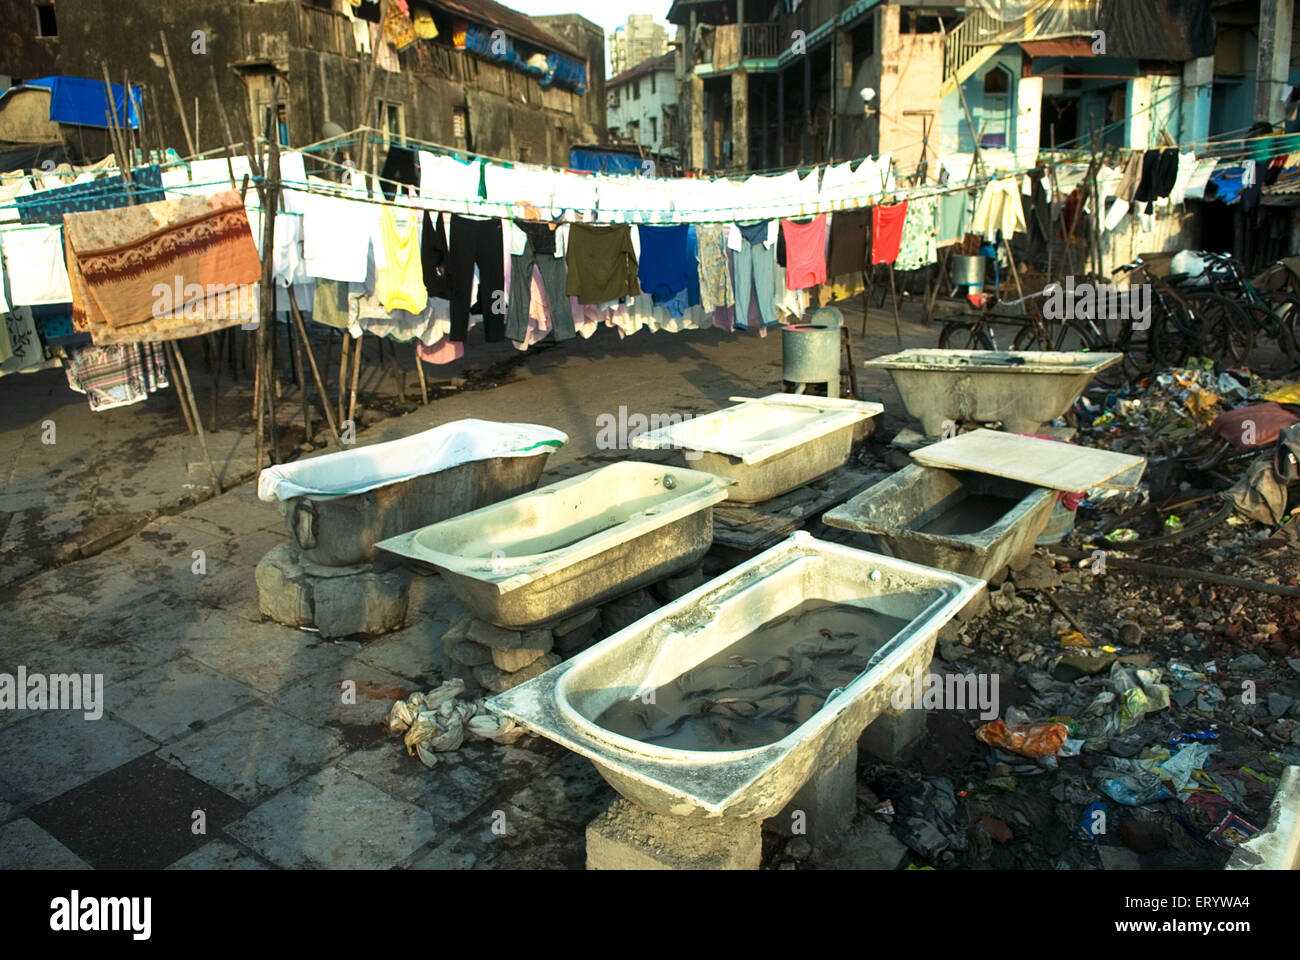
(887, 232)
(161, 271)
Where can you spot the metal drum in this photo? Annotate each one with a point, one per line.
(810, 353)
(968, 271)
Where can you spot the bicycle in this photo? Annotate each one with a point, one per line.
(1270, 315)
(979, 333)
(1185, 322)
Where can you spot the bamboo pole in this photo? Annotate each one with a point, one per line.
(346, 342)
(176, 93)
(176, 383)
(311, 356)
(419, 368)
(157, 124)
(301, 374)
(127, 103)
(115, 136)
(225, 125)
(356, 369)
(198, 423)
(893, 291)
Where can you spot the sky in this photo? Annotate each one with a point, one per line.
(608, 13)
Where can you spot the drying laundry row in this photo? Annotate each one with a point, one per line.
(427, 275)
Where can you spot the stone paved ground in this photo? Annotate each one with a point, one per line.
(211, 709)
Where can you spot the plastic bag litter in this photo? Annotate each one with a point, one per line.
(488, 726)
(1028, 740)
(1134, 789)
(403, 712)
(436, 722)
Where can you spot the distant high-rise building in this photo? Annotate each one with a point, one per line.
(638, 40)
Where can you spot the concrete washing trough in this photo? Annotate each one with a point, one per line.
(969, 523)
(338, 506)
(541, 556)
(1022, 389)
(768, 446)
(731, 762)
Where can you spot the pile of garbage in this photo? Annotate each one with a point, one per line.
(1218, 442)
(437, 722)
(1142, 723)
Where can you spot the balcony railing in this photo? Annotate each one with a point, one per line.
(966, 40)
(762, 41)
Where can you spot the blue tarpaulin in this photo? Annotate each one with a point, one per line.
(84, 102)
(566, 73)
(602, 161)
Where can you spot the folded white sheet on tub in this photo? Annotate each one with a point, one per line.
(365, 468)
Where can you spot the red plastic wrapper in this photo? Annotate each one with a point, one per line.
(1028, 740)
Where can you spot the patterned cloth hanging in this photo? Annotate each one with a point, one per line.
(920, 232)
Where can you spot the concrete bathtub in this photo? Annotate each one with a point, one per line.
(338, 506)
(1023, 390)
(540, 556)
(768, 445)
(661, 649)
(969, 523)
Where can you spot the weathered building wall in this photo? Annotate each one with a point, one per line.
(510, 115)
(911, 78)
(590, 39)
(23, 55)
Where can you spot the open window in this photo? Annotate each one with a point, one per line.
(47, 25)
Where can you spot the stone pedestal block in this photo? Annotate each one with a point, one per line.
(577, 632)
(666, 591)
(823, 809)
(628, 837)
(366, 601)
(888, 736)
(495, 680)
(626, 610)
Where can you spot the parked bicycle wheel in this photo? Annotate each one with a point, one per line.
(1285, 309)
(1223, 329)
(1273, 350)
(965, 335)
(1029, 338)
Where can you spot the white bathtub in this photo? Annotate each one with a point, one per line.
(757, 782)
(769, 445)
(541, 556)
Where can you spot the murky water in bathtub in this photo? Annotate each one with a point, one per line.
(761, 687)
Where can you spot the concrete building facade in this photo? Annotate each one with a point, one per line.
(838, 79)
(643, 108)
(638, 40)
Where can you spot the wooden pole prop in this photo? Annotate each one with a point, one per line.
(346, 343)
(893, 291)
(311, 357)
(176, 383)
(198, 424)
(176, 93)
(356, 369)
(419, 368)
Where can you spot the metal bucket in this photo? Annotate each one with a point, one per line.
(810, 353)
(968, 271)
